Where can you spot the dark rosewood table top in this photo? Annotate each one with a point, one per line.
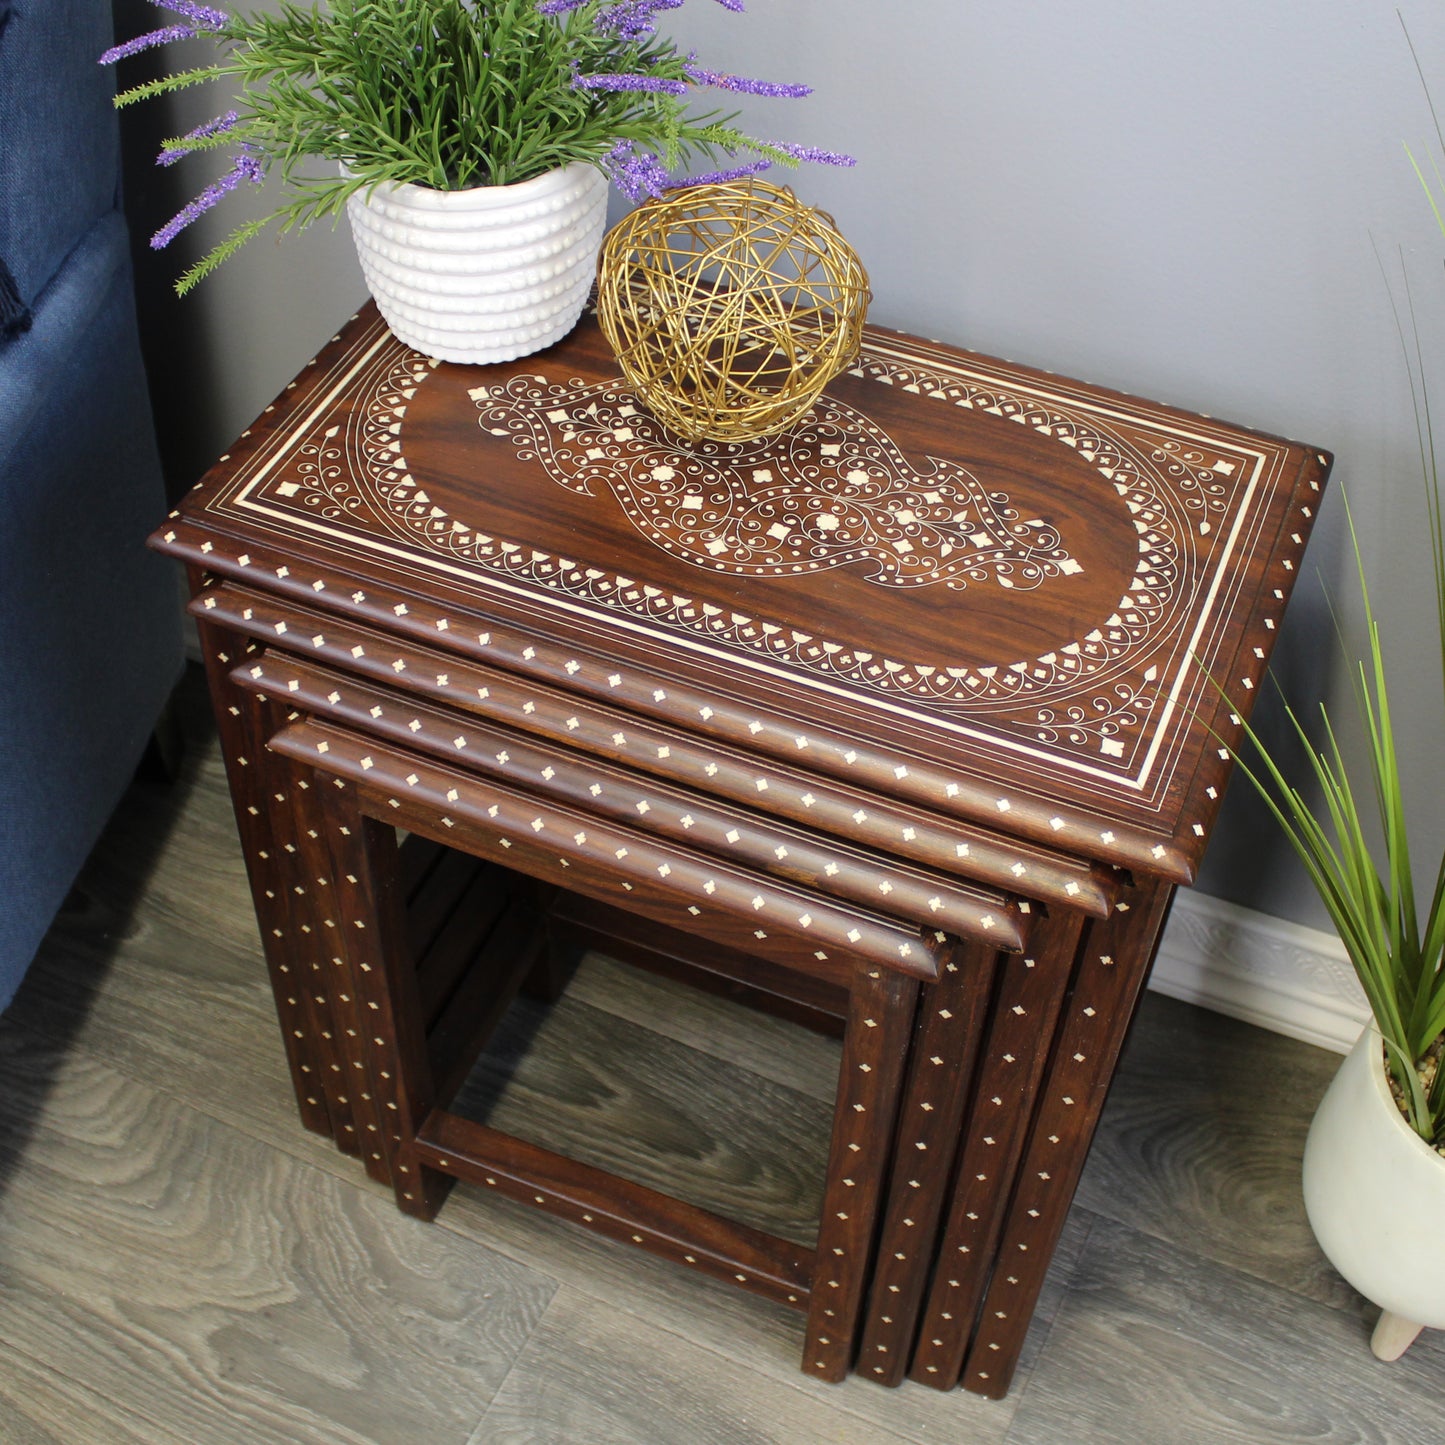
(973, 587)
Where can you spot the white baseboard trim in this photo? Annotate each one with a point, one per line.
(1265, 970)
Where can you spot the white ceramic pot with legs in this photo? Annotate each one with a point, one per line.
(485, 274)
(1375, 1195)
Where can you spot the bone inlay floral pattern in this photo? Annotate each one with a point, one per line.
(967, 497)
(730, 525)
(833, 490)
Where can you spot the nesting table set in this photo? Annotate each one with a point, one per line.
(904, 725)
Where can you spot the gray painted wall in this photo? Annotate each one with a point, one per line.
(1175, 201)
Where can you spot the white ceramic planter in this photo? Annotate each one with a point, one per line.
(487, 274)
(1375, 1195)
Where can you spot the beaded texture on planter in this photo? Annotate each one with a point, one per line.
(487, 274)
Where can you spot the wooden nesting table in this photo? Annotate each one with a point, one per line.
(905, 724)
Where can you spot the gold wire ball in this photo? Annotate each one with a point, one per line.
(730, 307)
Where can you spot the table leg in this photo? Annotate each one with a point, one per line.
(263, 789)
(1021, 1025)
(936, 1099)
(870, 1083)
(385, 1021)
(1113, 966)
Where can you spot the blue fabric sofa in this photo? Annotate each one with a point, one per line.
(89, 619)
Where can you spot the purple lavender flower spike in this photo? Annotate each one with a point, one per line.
(736, 6)
(652, 84)
(636, 176)
(717, 178)
(740, 83)
(203, 17)
(632, 19)
(559, 7)
(813, 153)
(163, 36)
(178, 148)
(245, 167)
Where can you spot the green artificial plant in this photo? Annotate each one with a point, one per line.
(1394, 937)
(1395, 945)
(446, 94)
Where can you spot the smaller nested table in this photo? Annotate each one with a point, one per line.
(905, 725)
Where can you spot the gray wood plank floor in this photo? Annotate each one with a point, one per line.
(181, 1262)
